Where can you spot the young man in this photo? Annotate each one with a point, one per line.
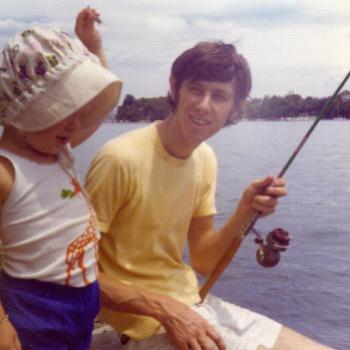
(153, 190)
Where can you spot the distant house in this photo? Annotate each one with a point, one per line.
(345, 96)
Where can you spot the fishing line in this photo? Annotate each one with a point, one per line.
(248, 226)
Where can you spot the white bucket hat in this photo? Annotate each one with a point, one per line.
(45, 76)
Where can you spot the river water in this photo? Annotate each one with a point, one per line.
(310, 288)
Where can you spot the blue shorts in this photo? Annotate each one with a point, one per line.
(50, 316)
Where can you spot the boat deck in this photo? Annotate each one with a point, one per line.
(104, 338)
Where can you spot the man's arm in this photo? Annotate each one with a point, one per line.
(186, 328)
(206, 244)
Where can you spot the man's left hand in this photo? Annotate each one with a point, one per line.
(262, 195)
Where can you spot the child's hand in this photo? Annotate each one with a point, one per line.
(8, 337)
(86, 31)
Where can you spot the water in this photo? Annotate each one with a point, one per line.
(309, 289)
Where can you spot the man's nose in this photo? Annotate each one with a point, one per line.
(204, 102)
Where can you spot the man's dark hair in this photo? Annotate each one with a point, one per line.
(212, 61)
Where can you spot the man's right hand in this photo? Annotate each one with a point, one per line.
(8, 337)
(190, 331)
(186, 329)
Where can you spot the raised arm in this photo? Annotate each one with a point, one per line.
(96, 110)
(85, 29)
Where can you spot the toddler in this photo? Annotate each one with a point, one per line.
(53, 94)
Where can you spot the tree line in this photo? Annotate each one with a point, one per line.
(269, 108)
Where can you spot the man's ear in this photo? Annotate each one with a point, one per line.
(172, 83)
(236, 111)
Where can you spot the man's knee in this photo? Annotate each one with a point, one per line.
(289, 339)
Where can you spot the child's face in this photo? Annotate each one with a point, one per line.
(73, 129)
(53, 139)
(50, 141)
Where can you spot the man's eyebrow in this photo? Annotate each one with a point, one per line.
(223, 92)
(193, 82)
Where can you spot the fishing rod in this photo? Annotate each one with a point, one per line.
(278, 239)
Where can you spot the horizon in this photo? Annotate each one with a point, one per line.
(298, 46)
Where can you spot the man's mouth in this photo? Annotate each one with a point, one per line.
(199, 121)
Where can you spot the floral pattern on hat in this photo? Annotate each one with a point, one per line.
(30, 63)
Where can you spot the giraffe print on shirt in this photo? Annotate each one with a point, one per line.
(75, 252)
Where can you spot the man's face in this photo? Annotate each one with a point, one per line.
(203, 107)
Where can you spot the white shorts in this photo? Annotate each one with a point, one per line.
(240, 328)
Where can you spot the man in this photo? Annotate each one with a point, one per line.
(153, 190)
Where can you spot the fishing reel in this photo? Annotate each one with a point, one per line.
(269, 251)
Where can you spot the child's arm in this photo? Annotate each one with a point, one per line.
(89, 36)
(7, 177)
(87, 33)
(8, 336)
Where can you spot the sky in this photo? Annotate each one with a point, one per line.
(292, 46)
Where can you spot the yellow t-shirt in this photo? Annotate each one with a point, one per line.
(145, 200)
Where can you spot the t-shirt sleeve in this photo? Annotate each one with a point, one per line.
(107, 188)
(206, 201)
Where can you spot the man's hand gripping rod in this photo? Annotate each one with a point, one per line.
(245, 229)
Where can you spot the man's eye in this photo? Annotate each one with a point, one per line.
(220, 98)
(194, 89)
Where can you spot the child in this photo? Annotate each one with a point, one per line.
(53, 94)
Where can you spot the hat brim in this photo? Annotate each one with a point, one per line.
(77, 87)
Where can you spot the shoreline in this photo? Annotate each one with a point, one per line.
(282, 119)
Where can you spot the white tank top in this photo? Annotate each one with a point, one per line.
(48, 228)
